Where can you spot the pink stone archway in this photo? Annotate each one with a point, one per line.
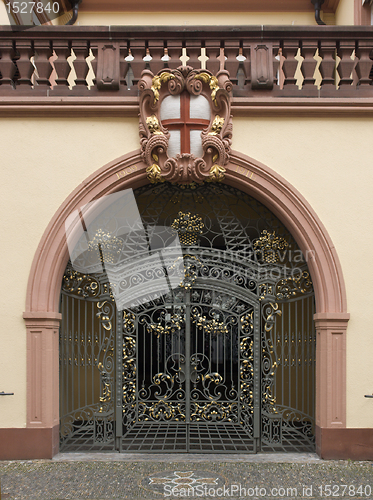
(42, 315)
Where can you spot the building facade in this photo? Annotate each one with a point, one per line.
(184, 197)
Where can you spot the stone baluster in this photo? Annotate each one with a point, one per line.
(327, 51)
(276, 63)
(309, 63)
(193, 50)
(246, 52)
(213, 53)
(44, 68)
(231, 51)
(290, 64)
(364, 64)
(7, 67)
(123, 64)
(81, 51)
(94, 62)
(63, 52)
(346, 64)
(138, 64)
(174, 51)
(24, 64)
(156, 51)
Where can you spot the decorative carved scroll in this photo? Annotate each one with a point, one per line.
(216, 138)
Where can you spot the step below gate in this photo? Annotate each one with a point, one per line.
(223, 362)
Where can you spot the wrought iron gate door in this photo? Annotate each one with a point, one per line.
(207, 345)
(196, 388)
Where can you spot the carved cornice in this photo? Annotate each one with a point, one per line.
(216, 137)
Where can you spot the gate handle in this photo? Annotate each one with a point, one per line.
(368, 396)
(12, 393)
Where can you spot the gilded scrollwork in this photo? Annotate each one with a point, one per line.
(166, 326)
(157, 81)
(106, 383)
(161, 411)
(247, 323)
(271, 309)
(189, 266)
(128, 322)
(211, 326)
(77, 283)
(215, 411)
(104, 310)
(300, 284)
(129, 371)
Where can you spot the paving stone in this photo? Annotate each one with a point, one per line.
(115, 476)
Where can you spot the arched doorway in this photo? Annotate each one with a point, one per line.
(203, 345)
(42, 315)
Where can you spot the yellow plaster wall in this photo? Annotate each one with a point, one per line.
(195, 18)
(42, 161)
(328, 160)
(4, 19)
(345, 12)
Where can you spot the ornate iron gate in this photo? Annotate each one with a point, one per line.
(221, 362)
(195, 360)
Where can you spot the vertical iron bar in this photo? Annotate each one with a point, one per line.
(144, 346)
(231, 338)
(85, 353)
(282, 355)
(68, 325)
(62, 354)
(257, 389)
(187, 366)
(289, 355)
(78, 355)
(313, 333)
(118, 400)
(151, 356)
(296, 353)
(137, 343)
(307, 363)
(92, 353)
(302, 357)
(72, 355)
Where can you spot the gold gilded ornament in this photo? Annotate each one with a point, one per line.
(188, 227)
(153, 125)
(154, 173)
(217, 125)
(217, 173)
(212, 81)
(157, 83)
(268, 246)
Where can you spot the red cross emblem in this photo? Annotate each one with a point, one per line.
(185, 123)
